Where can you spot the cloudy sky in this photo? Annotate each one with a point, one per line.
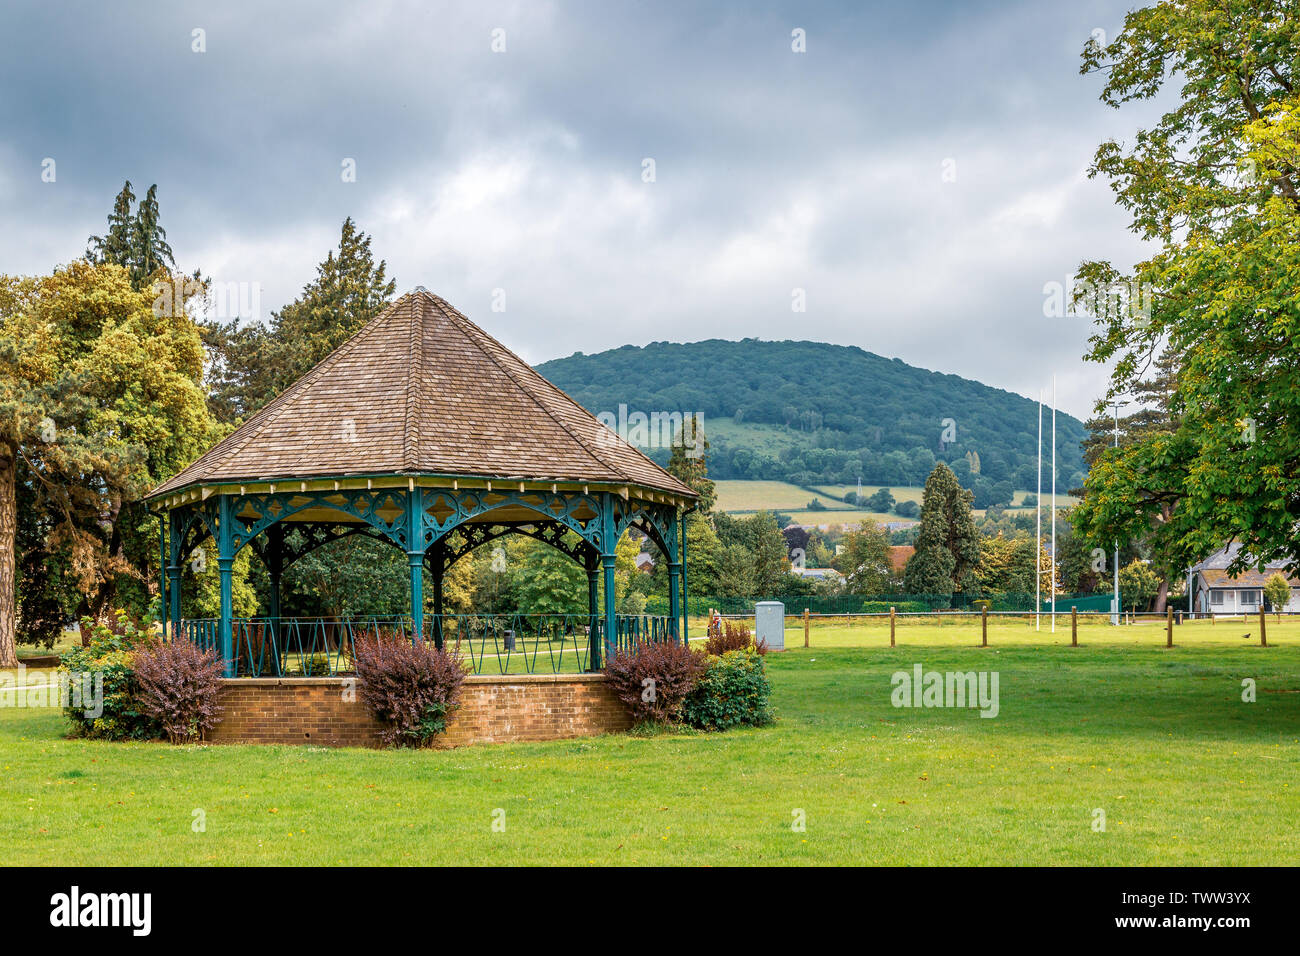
(919, 171)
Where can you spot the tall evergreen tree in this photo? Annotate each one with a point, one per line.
(150, 249)
(947, 545)
(135, 240)
(115, 246)
(691, 465)
(252, 364)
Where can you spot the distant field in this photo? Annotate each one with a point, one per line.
(761, 495)
(848, 517)
(900, 493)
(739, 496)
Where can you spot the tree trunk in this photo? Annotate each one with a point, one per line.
(8, 560)
(1162, 597)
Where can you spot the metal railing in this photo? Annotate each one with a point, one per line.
(489, 643)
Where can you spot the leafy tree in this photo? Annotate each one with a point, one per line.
(1002, 568)
(758, 539)
(907, 509)
(550, 582)
(1138, 584)
(1214, 184)
(882, 500)
(947, 545)
(354, 575)
(1278, 591)
(864, 562)
(100, 398)
(735, 573)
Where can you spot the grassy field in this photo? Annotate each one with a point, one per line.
(1161, 740)
(740, 497)
(760, 495)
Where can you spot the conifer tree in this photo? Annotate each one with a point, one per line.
(947, 545)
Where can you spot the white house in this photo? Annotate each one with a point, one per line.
(1214, 590)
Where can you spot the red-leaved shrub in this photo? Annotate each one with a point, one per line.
(178, 685)
(655, 679)
(410, 687)
(734, 636)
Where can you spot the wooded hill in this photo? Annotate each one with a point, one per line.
(813, 413)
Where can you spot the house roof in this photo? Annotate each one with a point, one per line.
(421, 389)
(899, 555)
(1218, 578)
(1214, 574)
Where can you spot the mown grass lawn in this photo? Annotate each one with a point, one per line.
(1186, 772)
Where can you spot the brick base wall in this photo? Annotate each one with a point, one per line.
(494, 709)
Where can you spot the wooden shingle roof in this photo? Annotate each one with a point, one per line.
(421, 389)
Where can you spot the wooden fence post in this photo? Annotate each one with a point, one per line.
(805, 627)
(1263, 635)
(891, 627)
(1074, 627)
(1169, 625)
(984, 625)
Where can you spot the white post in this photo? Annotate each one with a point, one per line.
(1114, 614)
(1053, 578)
(1038, 521)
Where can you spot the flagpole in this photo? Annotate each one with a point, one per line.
(1053, 578)
(1038, 521)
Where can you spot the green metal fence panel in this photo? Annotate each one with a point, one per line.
(488, 643)
(881, 603)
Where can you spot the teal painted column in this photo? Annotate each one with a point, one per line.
(686, 594)
(608, 557)
(174, 571)
(162, 573)
(225, 564)
(174, 595)
(611, 608)
(675, 598)
(415, 559)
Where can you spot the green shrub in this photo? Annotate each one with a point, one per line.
(111, 653)
(733, 691)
